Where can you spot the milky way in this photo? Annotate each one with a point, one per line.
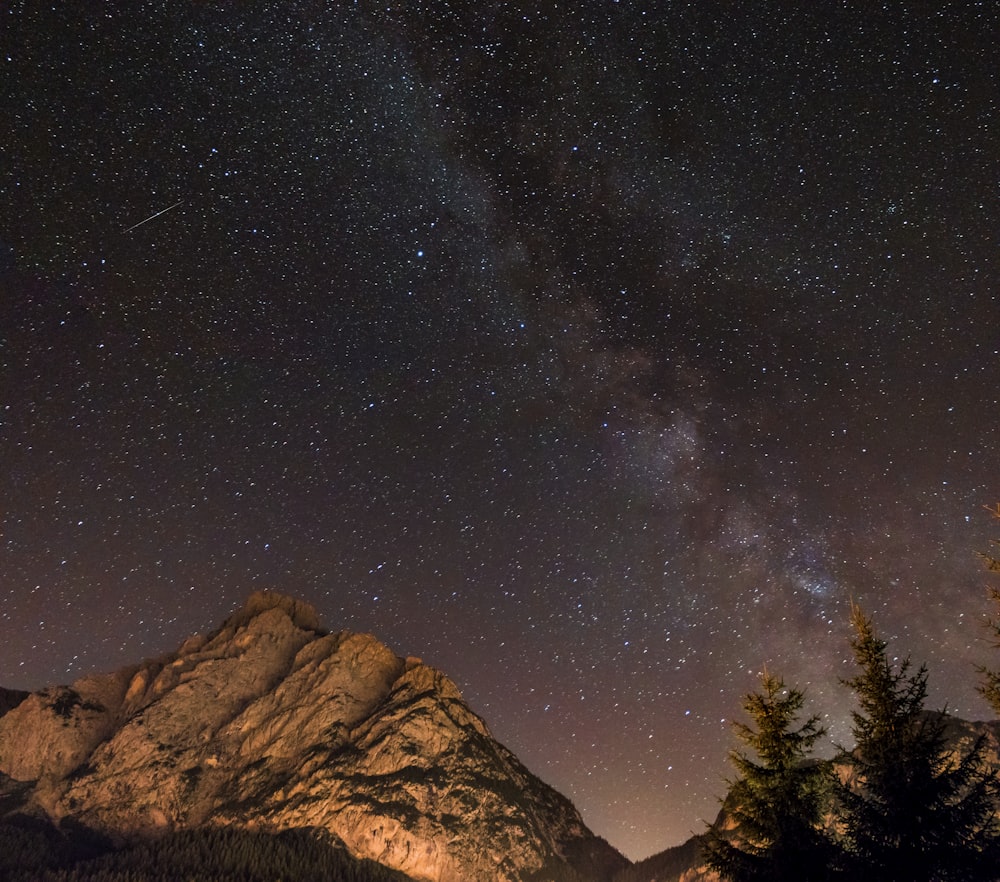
(598, 355)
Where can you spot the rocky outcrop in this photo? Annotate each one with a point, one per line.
(269, 723)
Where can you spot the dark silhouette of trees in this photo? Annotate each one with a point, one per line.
(34, 851)
(910, 810)
(777, 801)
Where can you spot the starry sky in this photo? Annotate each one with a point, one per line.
(598, 353)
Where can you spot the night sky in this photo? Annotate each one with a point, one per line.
(598, 353)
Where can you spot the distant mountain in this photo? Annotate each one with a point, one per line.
(269, 724)
(673, 865)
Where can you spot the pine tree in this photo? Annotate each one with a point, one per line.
(777, 801)
(910, 811)
(990, 686)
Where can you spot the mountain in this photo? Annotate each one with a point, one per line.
(270, 724)
(678, 864)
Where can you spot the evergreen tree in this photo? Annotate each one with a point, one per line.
(777, 801)
(990, 686)
(910, 811)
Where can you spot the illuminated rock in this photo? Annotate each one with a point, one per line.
(270, 723)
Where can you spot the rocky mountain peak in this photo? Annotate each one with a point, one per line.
(269, 722)
(303, 615)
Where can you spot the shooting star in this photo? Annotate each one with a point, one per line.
(152, 216)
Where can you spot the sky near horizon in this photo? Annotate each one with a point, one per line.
(597, 353)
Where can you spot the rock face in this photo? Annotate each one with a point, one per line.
(269, 723)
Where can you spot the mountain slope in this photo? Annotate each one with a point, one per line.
(269, 723)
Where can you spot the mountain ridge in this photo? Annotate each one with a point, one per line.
(268, 722)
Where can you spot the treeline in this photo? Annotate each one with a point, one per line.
(667, 865)
(903, 805)
(35, 851)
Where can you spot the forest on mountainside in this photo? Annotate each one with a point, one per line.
(32, 850)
